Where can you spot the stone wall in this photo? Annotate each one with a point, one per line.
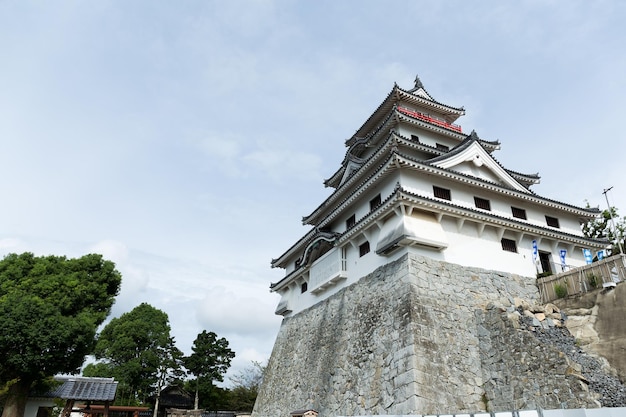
(596, 321)
(417, 336)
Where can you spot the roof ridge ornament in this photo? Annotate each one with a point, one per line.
(473, 135)
(418, 82)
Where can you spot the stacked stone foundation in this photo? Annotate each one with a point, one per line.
(416, 336)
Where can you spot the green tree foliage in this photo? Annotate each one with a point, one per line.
(138, 351)
(209, 361)
(601, 227)
(51, 308)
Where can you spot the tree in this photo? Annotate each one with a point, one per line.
(138, 351)
(602, 227)
(169, 369)
(246, 384)
(51, 308)
(210, 359)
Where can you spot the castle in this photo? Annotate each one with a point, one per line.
(385, 299)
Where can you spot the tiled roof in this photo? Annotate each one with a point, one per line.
(86, 389)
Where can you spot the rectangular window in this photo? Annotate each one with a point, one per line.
(350, 222)
(518, 212)
(375, 202)
(364, 248)
(443, 193)
(509, 245)
(481, 203)
(304, 287)
(552, 221)
(442, 147)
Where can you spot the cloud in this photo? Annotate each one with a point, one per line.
(237, 158)
(229, 312)
(280, 165)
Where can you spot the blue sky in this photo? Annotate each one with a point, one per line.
(186, 140)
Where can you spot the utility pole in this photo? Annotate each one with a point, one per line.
(619, 238)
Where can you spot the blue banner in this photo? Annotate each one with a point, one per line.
(563, 253)
(535, 251)
(600, 255)
(588, 256)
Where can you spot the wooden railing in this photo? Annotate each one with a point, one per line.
(430, 119)
(605, 273)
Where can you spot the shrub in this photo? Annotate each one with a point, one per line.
(560, 290)
(592, 280)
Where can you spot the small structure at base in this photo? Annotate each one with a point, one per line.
(89, 390)
(181, 412)
(304, 413)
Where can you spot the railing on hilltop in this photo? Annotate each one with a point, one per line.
(430, 119)
(604, 273)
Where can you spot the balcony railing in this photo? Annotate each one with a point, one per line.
(430, 119)
(328, 271)
(605, 273)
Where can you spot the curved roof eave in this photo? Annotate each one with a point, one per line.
(444, 172)
(473, 137)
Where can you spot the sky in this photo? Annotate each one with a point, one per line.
(186, 140)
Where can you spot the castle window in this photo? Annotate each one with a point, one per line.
(482, 203)
(364, 248)
(375, 202)
(518, 212)
(443, 193)
(350, 222)
(552, 221)
(415, 138)
(442, 147)
(509, 245)
(304, 287)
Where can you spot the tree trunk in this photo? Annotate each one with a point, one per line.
(155, 413)
(16, 399)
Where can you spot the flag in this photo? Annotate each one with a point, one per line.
(563, 253)
(588, 256)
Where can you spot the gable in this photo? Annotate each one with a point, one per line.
(475, 161)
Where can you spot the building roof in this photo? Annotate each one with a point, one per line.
(414, 96)
(86, 389)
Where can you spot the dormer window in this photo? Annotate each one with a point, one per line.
(350, 222)
(375, 202)
(443, 193)
(482, 203)
(552, 222)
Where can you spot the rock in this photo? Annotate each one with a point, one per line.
(551, 308)
(540, 316)
(538, 309)
(521, 303)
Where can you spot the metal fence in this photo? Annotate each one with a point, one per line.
(575, 281)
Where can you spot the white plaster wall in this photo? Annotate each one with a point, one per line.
(32, 406)
(426, 137)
